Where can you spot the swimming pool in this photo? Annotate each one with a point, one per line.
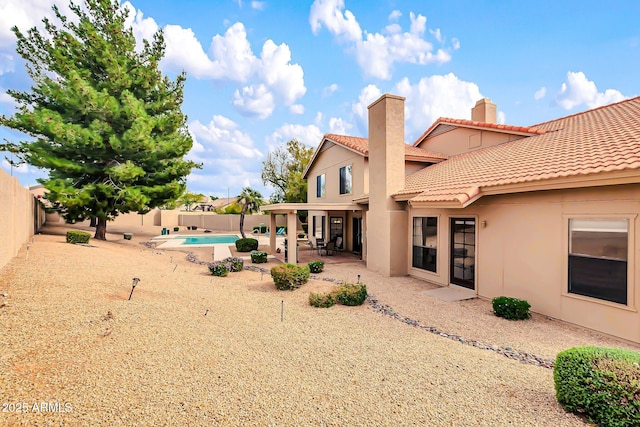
(216, 239)
(177, 240)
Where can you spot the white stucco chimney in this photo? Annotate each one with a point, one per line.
(484, 111)
(387, 229)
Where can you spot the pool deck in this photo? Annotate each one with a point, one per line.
(220, 250)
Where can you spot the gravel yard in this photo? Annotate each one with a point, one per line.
(193, 349)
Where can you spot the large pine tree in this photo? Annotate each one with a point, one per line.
(105, 123)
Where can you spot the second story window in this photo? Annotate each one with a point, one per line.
(320, 186)
(345, 179)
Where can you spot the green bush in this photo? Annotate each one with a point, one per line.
(234, 264)
(601, 383)
(258, 257)
(323, 300)
(246, 245)
(220, 269)
(305, 227)
(176, 228)
(260, 229)
(511, 308)
(289, 276)
(316, 266)
(77, 236)
(350, 294)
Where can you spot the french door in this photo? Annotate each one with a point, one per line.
(463, 252)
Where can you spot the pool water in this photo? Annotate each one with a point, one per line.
(209, 240)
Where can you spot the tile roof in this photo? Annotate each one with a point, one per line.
(521, 130)
(605, 139)
(361, 145)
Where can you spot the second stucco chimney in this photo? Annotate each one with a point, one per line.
(484, 111)
(386, 220)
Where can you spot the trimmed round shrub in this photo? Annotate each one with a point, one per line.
(511, 308)
(289, 276)
(350, 294)
(234, 264)
(601, 383)
(316, 266)
(322, 299)
(77, 236)
(246, 245)
(220, 269)
(258, 257)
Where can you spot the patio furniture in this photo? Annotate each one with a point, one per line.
(320, 245)
(330, 248)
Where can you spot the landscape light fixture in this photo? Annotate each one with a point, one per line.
(133, 286)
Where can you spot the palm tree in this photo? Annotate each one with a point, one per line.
(251, 200)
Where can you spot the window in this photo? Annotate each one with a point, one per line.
(335, 229)
(598, 258)
(425, 243)
(318, 227)
(345, 179)
(320, 186)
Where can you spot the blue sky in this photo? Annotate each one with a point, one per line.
(262, 72)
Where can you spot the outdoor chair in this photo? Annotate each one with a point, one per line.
(330, 248)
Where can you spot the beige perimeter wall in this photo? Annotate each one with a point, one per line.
(523, 252)
(20, 215)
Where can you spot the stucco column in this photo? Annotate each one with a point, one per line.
(387, 238)
(292, 236)
(272, 233)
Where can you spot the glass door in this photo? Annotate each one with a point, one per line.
(463, 252)
(357, 235)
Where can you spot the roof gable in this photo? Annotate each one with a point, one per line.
(360, 146)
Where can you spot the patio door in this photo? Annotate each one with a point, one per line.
(357, 235)
(463, 252)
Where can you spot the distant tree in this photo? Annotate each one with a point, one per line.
(250, 200)
(283, 169)
(189, 199)
(106, 124)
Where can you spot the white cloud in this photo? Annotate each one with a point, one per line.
(309, 135)
(329, 90)
(222, 135)
(502, 118)
(297, 109)
(359, 109)
(254, 101)
(578, 90)
(377, 52)
(426, 101)
(434, 97)
(540, 93)
(328, 13)
(455, 43)
(5, 98)
(258, 5)
(7, 64)
(395, 15)
(268, 80)
(22, 169)
(339, 126)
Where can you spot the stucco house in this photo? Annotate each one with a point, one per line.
(547, 213)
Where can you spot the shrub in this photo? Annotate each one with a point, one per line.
(350, 294)
(324, 300)
(261, 229)
(246, 245)
(176, 228)
(220, 269)
(316, 266)
(289, 276)
(258, 257)
(235, 264)
(601, 383)
(77, 236)
(511, 308)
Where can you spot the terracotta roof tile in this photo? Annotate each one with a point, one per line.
(361, 145)
(531, 130)
(605, 139)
